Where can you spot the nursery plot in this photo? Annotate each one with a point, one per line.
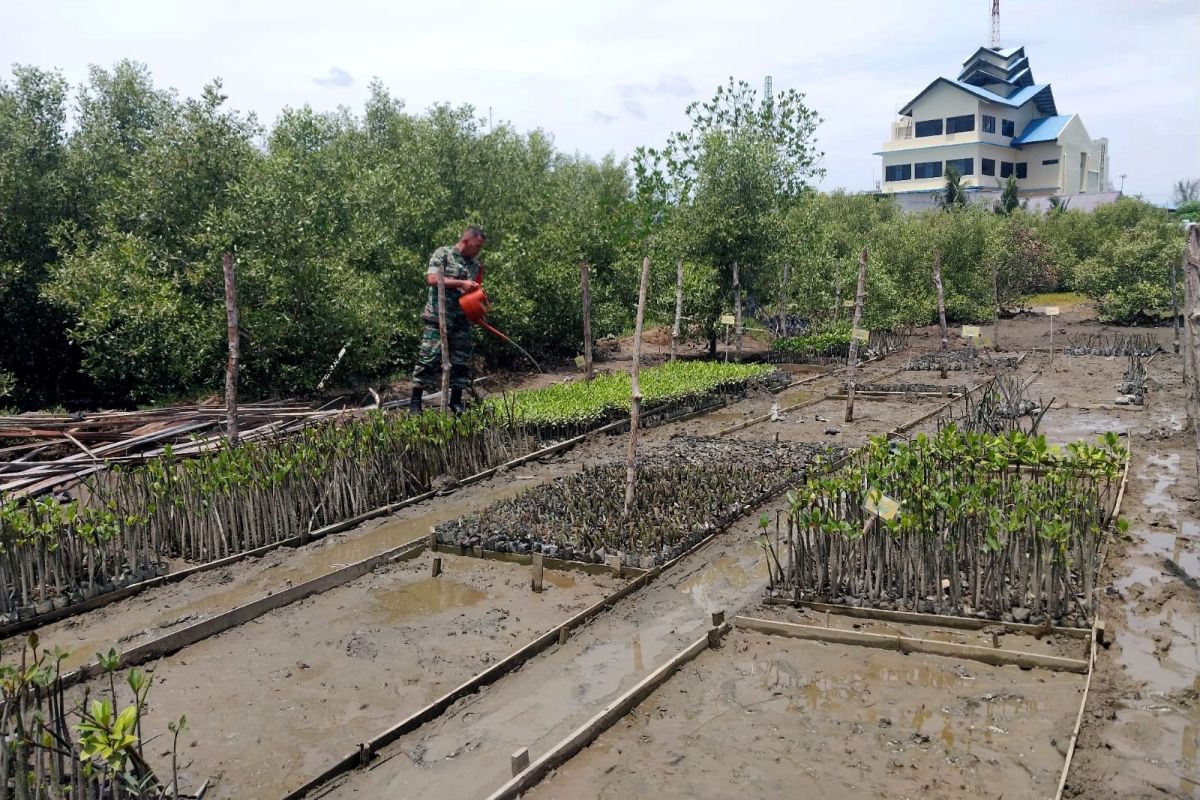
(824, 420)
(685, 491)
(164, 609)
(962, 361)
(958, 523)
(272, 703)
(765, 716)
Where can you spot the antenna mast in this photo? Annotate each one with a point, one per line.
(768, 93)
(995, 24)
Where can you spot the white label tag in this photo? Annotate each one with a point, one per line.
(727, 319)
(881, 505)
(970, 331)
(862, 334)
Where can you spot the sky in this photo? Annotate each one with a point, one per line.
(605, 77)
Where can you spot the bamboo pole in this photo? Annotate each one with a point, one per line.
(678, 308)
(443, 335)
(737, 311)
(941, 301)
(1191, 299)
(635, 408)
(231, 365)
(586, 297)
(858, 305)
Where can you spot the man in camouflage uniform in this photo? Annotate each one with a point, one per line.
(462, 276)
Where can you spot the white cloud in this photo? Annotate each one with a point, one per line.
(607, 77)
(337, 77)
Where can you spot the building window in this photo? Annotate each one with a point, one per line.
(1022, 170)
(898, 172)
(929, 127)
(1005, 169)
(1049, 161)
(1008, 127)
(960, 124)
(929, 169)
(987, 166)
(965, 166)
(989, 124)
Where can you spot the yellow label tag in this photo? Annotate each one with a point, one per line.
(862, 334)
(727, 319)
(579, 362)
(881, 505)
(970, 331)
(985, 340)
(1051, 311)
(847, 304)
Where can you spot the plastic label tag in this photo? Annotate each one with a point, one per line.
(862, 334)
(1051, 311)
(728, 319)
(970, 331)
(579, 362)
(847, 304)
(881, 505)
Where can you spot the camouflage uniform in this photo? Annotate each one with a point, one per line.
(428, 372)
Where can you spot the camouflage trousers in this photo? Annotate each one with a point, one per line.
(428, 372)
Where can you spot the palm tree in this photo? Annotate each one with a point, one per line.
(1009, 201)
(953, 194)
(1058, 204)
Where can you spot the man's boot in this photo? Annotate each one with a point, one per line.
(414, 404)
(456, 401)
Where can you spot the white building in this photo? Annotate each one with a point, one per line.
(989, 122)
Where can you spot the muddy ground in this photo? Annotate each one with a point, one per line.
(1141, 729)
(272, 703)
(766, 716)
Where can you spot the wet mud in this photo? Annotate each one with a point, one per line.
(765, 716)
(272, 703)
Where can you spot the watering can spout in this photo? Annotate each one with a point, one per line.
(475, 306)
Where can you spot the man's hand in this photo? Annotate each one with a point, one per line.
(468, 285)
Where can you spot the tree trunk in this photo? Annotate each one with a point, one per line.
(586, 297)
(837, 295)
(231, 366)
(678, 308)
(858, 306)
(444, 335)
(1191, 299)
(635, 408)
(941, 301)
(785, 289)
(737, 312)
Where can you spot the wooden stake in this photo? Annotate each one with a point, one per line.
(586, 297)
(941, 301)
(537, 572)
(635, 408)
(996, 299)
(443, 334)
(1175, 304)
(437, 566)
(1191, 300)
(678, 307)
(231, 366)
(858, 306)
(737, 311)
